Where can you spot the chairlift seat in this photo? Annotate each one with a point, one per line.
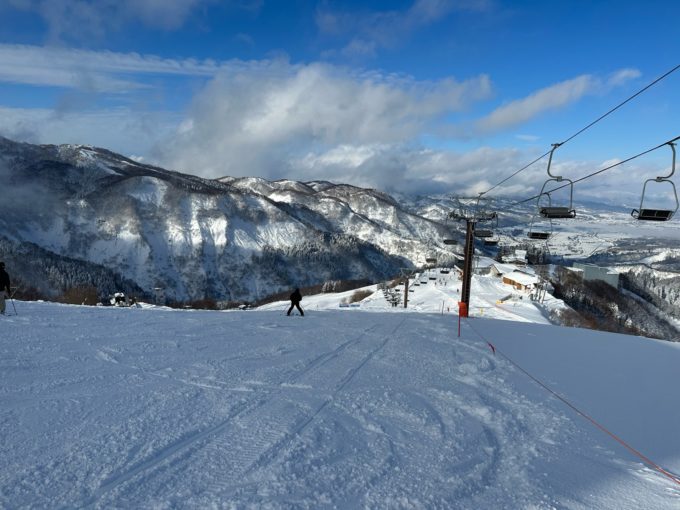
(431, 261)
(652, 214)
(450, 241)
(444, 271)
(557, 212)
(483, 233)
(539, 235)
(490, 242)
(433, 277)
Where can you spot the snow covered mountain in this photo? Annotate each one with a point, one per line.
(229, 239)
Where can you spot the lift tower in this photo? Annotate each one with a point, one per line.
(471, 214)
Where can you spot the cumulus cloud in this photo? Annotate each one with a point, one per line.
(252, 121)
(416, 170)
(275, 119)
(393, 167)
(318, 121)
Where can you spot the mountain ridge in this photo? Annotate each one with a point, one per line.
(232, 238)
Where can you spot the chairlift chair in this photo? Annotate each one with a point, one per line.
(444, 271)
(483, 233)
(450, 241)
(540, 235)
(648, 214)
(431, 260)
(482, 211)
(490, 242)
(557, 212)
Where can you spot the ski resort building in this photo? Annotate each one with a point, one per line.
(520, 280)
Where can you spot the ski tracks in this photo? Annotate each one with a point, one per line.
(272, 452)
(247, 439)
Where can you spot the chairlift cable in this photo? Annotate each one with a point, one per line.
(515, 173)
(599, 171)
(621, 104)
(648, 86)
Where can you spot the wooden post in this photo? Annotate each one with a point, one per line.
(406, 293)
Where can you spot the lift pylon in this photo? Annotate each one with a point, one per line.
(471, 215)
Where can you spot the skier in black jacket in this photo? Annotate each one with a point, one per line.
(4, 287)
(295, 299)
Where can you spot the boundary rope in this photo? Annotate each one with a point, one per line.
(637, 453)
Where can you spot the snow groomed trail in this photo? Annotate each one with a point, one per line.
(130, 408)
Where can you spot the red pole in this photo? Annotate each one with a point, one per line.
(462, 312)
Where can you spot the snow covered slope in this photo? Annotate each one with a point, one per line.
(141, 408)
(434, 292)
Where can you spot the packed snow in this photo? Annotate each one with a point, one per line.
(367, 406)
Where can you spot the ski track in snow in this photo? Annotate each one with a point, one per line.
(263, 434)
(111, 408)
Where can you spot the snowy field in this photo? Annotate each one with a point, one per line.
(342, 408)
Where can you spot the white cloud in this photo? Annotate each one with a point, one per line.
(254, 121)
(101, 71)
(550, 98)
(404, 169)
(81, 20)
(527, 138)
(393, 167)
(622, 76)
(275, 119)
(122, 130)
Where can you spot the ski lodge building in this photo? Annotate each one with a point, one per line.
(520, 280)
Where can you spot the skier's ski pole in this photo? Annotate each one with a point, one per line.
(11, 298)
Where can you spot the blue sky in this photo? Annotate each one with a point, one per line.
(412, 96)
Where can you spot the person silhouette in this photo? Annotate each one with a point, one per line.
(295, 299)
